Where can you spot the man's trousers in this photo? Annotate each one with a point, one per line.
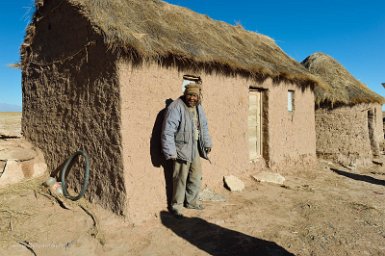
(187, 178)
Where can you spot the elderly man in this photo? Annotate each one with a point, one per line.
(185, 138)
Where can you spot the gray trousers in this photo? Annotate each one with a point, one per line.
(187, 178)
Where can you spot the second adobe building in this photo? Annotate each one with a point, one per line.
(349, 125)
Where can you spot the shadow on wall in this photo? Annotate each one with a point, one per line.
(359, 177)
(157, 157)
(216, 240)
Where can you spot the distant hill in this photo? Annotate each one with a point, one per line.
(4, 107)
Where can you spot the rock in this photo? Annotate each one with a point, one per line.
(19, 161)
(233, 183)
(12, 174)
(17, 154)
(208, 195)
(270, 177)
(15, 171)
(33, 168)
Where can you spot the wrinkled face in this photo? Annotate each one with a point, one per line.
(191, 99)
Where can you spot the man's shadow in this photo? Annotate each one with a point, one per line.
(216, 240)
(359, 177)
(157, 157)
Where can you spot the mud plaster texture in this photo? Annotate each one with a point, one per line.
(71, 100)
(291, 135)
(146, 90)
(343, 133)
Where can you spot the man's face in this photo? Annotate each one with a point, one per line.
(191, 99)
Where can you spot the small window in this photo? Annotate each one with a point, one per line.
(290, 101)
(190, 79)
(185, 83)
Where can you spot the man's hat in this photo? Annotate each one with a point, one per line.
(193, 89)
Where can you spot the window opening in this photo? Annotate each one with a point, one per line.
(290, 101)
(188, 79)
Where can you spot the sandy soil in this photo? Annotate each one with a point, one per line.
(325, 211)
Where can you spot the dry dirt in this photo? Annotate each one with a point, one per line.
(325, 211)
(10, 124)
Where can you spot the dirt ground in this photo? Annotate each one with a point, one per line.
(10, 124)
(325, 211)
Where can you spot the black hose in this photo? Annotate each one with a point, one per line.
(86, 175)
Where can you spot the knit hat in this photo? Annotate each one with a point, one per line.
(192, 89)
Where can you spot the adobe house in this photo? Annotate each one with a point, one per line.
(349, 127)
(97, 75)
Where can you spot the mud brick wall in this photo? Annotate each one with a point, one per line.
(343, 133)
(71, 100)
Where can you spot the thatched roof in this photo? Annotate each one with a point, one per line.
(157, 31)
(343, 87)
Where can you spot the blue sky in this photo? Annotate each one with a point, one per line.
(352, 32)
(14, 20)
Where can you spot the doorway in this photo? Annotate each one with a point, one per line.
(372, 135)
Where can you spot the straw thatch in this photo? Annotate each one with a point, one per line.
(157, 31)
(344, 88)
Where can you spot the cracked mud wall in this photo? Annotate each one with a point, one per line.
(343, 133)
(71, 100)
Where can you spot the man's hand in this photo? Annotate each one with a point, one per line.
(208, 150)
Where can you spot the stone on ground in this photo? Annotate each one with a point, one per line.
(12, 173)
(270, 177)
(233, 183)
(19, 161)
(17, 154)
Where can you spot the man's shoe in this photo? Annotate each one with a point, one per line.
(176, 213)
(195, 206)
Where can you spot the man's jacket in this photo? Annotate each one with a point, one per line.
(178, 132)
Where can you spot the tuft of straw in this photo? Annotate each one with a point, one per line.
(11, 216)
(14, 65)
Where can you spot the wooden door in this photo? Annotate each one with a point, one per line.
(255, 125)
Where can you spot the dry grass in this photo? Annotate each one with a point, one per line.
(28, 184)
(153, 30)
(344, 88)
(12, 215)
(16, 214)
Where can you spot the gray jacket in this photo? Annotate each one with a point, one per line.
(178, 132)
